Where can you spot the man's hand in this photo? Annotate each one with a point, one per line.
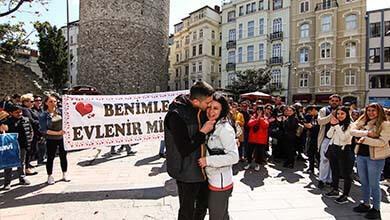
(207, 127)
(202, 162)
(308, 125)
(3, 128)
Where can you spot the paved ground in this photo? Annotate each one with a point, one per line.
(138, 187)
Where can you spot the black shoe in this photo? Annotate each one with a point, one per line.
(332, 194)
(321, 185)
(114, 153)
(361, 208)
(131, 153)
(162, 155)
(373, 214)
(343, 199)
(7, 187)
(24, 182)
(300, 158)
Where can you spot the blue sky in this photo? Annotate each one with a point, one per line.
(56, 13)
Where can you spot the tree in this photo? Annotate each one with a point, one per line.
(12, 37)
(13, 5)
(53, 54)
(250, 80)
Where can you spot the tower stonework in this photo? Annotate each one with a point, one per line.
(124, 45)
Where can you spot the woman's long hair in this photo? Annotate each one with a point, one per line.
(363, 119)
(226, 115)
(347, 121)
(45, 107)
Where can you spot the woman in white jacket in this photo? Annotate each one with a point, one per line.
(340, 154)
(221, 154)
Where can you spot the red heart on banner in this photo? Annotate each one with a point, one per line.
(84, 109)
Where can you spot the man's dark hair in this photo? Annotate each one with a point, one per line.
(335, 96)
(15, 96)
(201, 90)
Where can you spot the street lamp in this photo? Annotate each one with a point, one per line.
(68, 42)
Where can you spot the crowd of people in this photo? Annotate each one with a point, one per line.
(206, 135)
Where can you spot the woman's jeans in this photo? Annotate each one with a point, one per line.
(370, 173)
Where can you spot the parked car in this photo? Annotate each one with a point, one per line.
(83, 90)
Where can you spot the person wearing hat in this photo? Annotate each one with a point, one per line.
(313, 128)
(16, 123)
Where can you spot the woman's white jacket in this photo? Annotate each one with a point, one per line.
(219, 167)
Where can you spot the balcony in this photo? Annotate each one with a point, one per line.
(276, 36)
(230, 44)
(326, 5)
(276, 60)
(230, 66)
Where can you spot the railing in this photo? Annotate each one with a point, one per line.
(326, 5)
(231, 44)
(276, 60)
(276, 36)
(230, 66)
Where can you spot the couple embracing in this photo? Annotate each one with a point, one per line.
(201, 150)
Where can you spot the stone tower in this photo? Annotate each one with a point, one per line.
(124, 45)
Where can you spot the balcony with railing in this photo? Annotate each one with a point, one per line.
(276, 36)
(276, 60)
(326, 5)
(230, 44)
(230, 66)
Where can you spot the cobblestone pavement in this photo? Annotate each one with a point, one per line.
(138, 187)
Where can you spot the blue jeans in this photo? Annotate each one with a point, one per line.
(370, 173)
(162, 147)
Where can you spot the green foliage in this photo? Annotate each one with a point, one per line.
(53, 54)
(250, 80)
(12, 37)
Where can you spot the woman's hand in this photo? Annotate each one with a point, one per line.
(60, 133)
(372, 134)
(334, 121)
(361, 140)
(202, 162)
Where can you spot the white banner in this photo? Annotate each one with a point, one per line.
(91, 121)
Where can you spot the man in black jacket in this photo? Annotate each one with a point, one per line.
(184, 139)
(16, 123)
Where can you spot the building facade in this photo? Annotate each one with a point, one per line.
(328, 50)
(256, 35)
(73, 49)
(195, 52)
(378, 57)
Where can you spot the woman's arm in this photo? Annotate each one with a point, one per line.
(252, 121)
(43, 126)
(383, 138)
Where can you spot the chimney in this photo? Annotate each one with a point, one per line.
(217, 8)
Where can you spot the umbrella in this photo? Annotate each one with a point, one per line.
(256, 95)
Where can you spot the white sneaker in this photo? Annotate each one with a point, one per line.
(50, 180)
(65, 177)
(247, 167)
(257, 167)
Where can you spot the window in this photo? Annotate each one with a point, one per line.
(200, 49)
(231, 78)
(261, 5)
(325, 50)
(276, 50)
(351, 22)
(187, 54)
(177, 44)
(304, 55)
(200, 33)
(375, 29)
(261, 26)
(220, 51)
(177, 58)
(304, 7)
(232, 35)
(250, 53)
(200, 68)
(177, 72)
(241, 11)
(251, 28)
(350, 78)
(303, 80)
(347, 1)
(71, 39)
(212, 67)
(187, 70)
(387, 28)
(325, 78)
(305, 31)
(386, 57)
(240, 55)
(194, 35)
(194, 67)
(248, 9)
(326, 23)
(213, 50)
(278, 4)
(253, 6)
(261, 51)
(212, 34)
(231, 16)
(276, 77)
(375, 55)
(240, 31)
(194, 51)
(232, 57)
(380, 82)
(277, 25)
(187, 41)
(350, 50)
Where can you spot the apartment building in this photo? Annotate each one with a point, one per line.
(328, 41)
(378, 57)
(256, 34)
(195, 52)
(73, 49)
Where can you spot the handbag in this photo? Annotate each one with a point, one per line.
(9, 151)
(299, 130)
(215, 151)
